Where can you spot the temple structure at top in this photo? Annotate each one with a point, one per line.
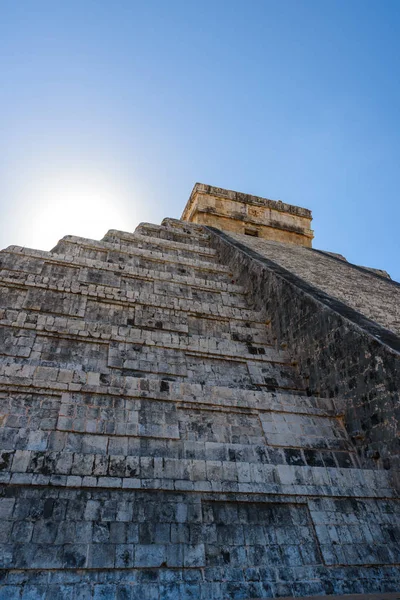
(249, 215)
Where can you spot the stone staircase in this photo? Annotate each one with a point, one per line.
(158, 444)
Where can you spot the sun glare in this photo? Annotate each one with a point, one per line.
(85, 206)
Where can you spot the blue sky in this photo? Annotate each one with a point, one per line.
(111, 111)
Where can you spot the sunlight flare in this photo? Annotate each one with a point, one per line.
(76, 204)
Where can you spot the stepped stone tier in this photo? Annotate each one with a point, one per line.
(191, 413)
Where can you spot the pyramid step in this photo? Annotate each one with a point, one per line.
(202, 430)
(133, 299)
(163, 233)
(121, 253)
(152, 311)
(131, 255)
(135, 469)
(162, 388)
(47, 352)
(175, 231)
(123, 238)
(22, 260)
(219, 346)
(240, 426)
(41, 309)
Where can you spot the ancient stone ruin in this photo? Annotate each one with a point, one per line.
(202, 409)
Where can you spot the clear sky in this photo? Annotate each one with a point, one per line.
(110, 111)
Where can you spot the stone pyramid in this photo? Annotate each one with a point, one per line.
(191, 413)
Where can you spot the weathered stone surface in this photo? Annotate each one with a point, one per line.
(172, 426)
(344, 354)
(376, 297)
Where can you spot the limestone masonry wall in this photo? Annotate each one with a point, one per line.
(158, 443)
